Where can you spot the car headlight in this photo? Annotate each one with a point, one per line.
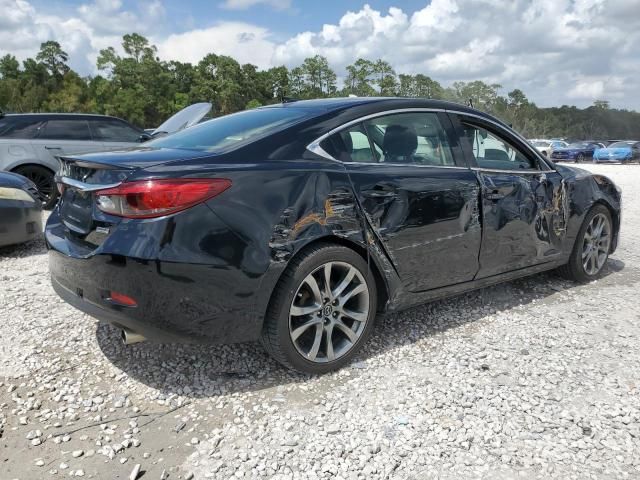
(8, 193)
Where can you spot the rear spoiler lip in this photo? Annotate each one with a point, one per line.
(84, 187)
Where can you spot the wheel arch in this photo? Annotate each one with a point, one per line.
(382, 283)
(20, 165)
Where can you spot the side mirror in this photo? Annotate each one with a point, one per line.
(144, 137)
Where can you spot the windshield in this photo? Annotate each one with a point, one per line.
(620, 145)
(230, 130)
(578, 145)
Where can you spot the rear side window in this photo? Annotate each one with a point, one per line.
(11, 127)
(63, 129)
(110, 130)
(404, 138)
(231, 130)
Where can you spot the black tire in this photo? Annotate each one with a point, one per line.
(44, 180)
(574, 269)
(277, 334)
(580, 158)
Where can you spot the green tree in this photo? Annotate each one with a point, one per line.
(385, 77)
(9, 67)
(53, 57)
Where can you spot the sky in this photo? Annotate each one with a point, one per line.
(557, 51)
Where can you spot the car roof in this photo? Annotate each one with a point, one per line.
(58, 115)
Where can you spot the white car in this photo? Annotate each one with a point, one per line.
(546, 147)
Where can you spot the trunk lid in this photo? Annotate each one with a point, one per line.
(85, 174)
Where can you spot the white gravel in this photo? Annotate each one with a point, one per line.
(537, 378)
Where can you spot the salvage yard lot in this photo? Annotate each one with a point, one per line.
(537, 378)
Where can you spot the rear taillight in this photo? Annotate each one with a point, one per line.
(155, 198)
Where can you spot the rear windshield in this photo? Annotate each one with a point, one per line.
(230, 130)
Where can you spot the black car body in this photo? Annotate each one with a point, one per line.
(421, 191)
(20, 210)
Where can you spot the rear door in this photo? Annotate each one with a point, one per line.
(418, 196)
(64, 136)
(523, 199)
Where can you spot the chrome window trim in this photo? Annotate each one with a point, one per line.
(85, 187)
(405, 165)
(315, 147)
(497, 170)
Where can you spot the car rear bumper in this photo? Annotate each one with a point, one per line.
(176, 301)
(19, 222)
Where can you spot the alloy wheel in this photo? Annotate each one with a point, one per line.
(44, 183)
(595, 245)
(329, 312)
(580, 158)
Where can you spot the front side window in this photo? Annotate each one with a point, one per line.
(109, 130)
(405, 138)
(12, 127)
(492, 152)
(63, 129)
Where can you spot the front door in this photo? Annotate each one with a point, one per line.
(418, 196)
(523, 199)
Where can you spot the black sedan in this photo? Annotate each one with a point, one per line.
(295, 224)
(20, 210)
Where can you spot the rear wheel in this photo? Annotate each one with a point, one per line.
(44, 180)
(322, 310)
(591, 249)
(580, 158)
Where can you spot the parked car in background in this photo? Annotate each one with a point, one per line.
(577, 152)
(296, 223)
(626, 151)
(20, 210)
(30, 144)
(546, 147)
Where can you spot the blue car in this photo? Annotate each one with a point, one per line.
(622, 152)
(576, 152)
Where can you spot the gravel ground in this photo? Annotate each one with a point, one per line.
(537, 378)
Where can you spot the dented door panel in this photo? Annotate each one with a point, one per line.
(524, 220)
(426, 219)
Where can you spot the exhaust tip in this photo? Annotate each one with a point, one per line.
(130, 337)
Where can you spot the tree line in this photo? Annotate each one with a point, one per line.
(145, 90)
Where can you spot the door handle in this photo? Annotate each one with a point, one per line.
(494, 195)
(52, 148)
(377, 194)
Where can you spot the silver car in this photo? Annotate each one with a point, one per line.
(31, 143)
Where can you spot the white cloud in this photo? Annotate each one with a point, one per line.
(246, 4)
(556, 51)
(244, 42)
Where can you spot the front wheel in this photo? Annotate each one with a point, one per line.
(591, 249)
(44, 181)
(580, 158)
(322, 310)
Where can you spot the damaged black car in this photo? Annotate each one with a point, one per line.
(295, 224)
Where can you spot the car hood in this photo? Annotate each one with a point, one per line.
(185, 118)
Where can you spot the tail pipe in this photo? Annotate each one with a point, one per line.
(130, 337)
